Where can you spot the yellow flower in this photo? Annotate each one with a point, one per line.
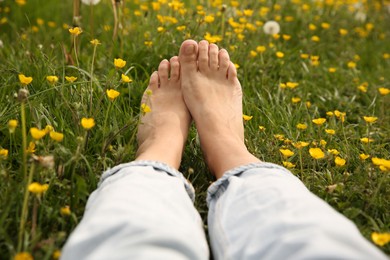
(312, 27)
(212, 38)
(286, 152)
(112, 93)
(21, 3)
(381, 162)
(363, 88)
(308, 104)
(286, 37)
(301, 126)
(31, 148)
(325, 26)
(383, 91)
(332, 70)
(48, 129)
(12, 124)
(253, 53)
(126, 79)
(304, 55)
(37, 188)
(52, 79)
(262, 128)
(279, 137)
(25, 80)
(181, 28)
(56, 254)
(37, 133)
(75, 31)
(279, 54)
(246, 117)
(70, 79)
(95, 42)
(209, 18)
(119, 63)
(3, 153)
(366, 140)
(145, 108)
(343, 32)
(323, 143)
(370, 119)
(292, 85)
(330, 131)
(363, 156)
(149, 92)
(333, 151)
(380, 239)
(261, 49)
(300, 144)
(87, 123)
(351, 65)
(319, 121)
(23, 255)
(160, 29)
(315, 38)
(316, 153)
(296, 100)
(56, 136)
(288, 165)
(65, 211)
(339, 161)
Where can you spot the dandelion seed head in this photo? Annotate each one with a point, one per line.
(271, 27)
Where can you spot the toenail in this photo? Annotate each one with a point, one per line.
(190, 49)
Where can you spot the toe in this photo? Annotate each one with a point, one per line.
(175, 68)
(213, 56)
(188, 55)
(163, 72)
(203, 56)
(224, 61)
(154, 81)
(232, 72)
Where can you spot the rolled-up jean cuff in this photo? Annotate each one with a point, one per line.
(160, 166)
(218, 187)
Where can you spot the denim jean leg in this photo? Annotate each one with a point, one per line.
(262, 211)
(140, 210)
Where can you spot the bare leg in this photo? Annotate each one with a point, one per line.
(213, 94)
(163, 131)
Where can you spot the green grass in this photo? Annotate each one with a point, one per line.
(35, 50)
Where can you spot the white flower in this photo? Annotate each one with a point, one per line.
(90, 2)
(360, 16)
(271, 27)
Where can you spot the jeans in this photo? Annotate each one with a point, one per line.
(144, 210)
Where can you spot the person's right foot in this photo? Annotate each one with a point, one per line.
(213, 95)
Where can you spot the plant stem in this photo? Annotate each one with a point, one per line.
(24, 138)
(23, 216)
(91, 85)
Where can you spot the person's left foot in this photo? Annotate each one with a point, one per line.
(163, 130)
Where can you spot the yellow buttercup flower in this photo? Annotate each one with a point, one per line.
(112, 94)
(65, 211)
(209, 18)
(286, 152)
(380, 239)
(145, 108)
(95, 42)
(246, 117)
(56, 254)
(37, 133)
(119, 63)
(23, 255)
(25, 80)
(37, 188)
(262, 128)
(279, 54)
(370, 119)
(75, 31)
(87, 123)
(330, 131)
(31, 148)
(52, 79)
(295, 100)
(261, 49)
(319, 121)
(48, 129)
(315, 38)
(56, 136)
(351, 65)
(384, 91)
(304, 56)
(301, 126)
(333, 151)
(316, 153)
(343, 32)
(381, 162)
(339, 161)
(366, 140)
(332, 70)
(12, 124)
(300, 144)
(363, 156)
(126, 79)
(288, 165)
(292, 85)
(70, 79)
(3, 153)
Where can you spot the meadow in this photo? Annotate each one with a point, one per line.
(316, 97)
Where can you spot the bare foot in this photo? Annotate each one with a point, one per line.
(213, 95)
(163, 131)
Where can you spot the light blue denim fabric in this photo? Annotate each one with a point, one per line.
(141, 210)
(262, 211)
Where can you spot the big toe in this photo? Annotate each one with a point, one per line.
(188, 54)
